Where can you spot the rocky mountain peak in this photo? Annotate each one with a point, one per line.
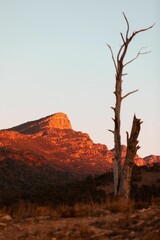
(58, 120)
(51, 140)
(55, 121)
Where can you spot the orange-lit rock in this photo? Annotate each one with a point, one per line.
(51, 140)
(138, 160)
(57, 120)
(151, 160)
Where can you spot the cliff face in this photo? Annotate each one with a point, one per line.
(52, 141)
(57, 120)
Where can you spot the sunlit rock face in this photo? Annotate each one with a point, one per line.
(57, 120)
(152, 159)
(137, 160)
(51, 141)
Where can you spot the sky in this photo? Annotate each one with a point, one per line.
(54, 58)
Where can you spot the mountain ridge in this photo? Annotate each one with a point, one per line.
(51, 140)
(57, 120)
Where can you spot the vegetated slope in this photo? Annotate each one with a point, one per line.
(42, 160)
(51, 140)
(44, 185)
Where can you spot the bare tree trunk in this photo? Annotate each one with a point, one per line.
(117, 136)
(122, 178)
(132, 147)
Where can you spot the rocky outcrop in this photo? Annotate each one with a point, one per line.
(152, 159)
(51, 140)
(57, 120)
(138, 160)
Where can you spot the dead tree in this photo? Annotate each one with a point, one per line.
(122, 174)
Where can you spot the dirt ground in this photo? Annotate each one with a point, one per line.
(103, 225)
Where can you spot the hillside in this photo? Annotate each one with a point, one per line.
(56, 183)
(38, 157)
(52, 141)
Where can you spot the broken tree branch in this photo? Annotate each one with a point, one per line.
(113, 109)
(132, 147)
(112, 56)
(143, 30)
(123, 49)
(111, 131)
(122, 38)
(124, 74)
(129, 94)
(119, 52)
(127, 26)
(138, 54)
(127, 137)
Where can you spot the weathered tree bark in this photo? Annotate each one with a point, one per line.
(122, 178)
(117, 136)
(132, 147)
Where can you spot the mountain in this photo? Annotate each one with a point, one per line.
(46, 161)
(152, 159)
(57, 120)
(51, 141)
(138, 160)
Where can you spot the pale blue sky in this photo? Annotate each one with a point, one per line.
(54, 58)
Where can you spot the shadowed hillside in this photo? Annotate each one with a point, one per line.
(47, 161)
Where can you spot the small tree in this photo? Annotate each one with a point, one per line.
(122, 175)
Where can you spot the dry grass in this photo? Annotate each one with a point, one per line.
(28, 210)
(155, 202)
(77, 210)
(119, 205)
(85, 232)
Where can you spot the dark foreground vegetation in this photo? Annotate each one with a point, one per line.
(45, 186)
